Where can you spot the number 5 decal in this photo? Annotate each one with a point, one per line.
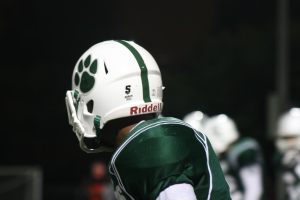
(127, 89)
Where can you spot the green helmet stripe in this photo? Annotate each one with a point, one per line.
(144, 70)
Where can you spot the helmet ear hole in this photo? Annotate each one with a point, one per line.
(90, 106)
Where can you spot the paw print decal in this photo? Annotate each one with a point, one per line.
(84, 77)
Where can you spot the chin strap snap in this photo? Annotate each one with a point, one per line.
(97, 128)
(76, 98)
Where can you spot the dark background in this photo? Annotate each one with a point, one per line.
(216, 56)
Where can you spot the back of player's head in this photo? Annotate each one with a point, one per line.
(112, 80)
(288, 130)
(222, 131)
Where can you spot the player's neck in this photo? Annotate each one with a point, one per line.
(123, 133)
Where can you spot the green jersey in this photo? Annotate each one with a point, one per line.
(163, 152)
(243, 153)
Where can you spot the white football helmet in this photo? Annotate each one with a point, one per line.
(221, 131)
(196, 119)
(113, 79)
(288, 131)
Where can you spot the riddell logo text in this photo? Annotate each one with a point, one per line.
(145, 109)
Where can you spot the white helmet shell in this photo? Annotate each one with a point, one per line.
(196, 119)
(289, 123)
(288, 127)
(114, 79)
(221, 130)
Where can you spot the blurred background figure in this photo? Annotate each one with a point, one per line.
(196, 119)
(288, 155)
(98, 186)
(241, 159)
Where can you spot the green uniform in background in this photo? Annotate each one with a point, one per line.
(244, 152)
(163, 152)
(290, 173)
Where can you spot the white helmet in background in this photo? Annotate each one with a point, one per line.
(288, 130)
(111, 80)
(221, 130)
(196, 119)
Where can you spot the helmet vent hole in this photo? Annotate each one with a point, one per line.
(90, 106)
(105, 68)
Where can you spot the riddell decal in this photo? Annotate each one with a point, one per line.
(135, 110)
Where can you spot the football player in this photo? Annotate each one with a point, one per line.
(288, 145)
(240, 158)
(115, 100)
(196, 119)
